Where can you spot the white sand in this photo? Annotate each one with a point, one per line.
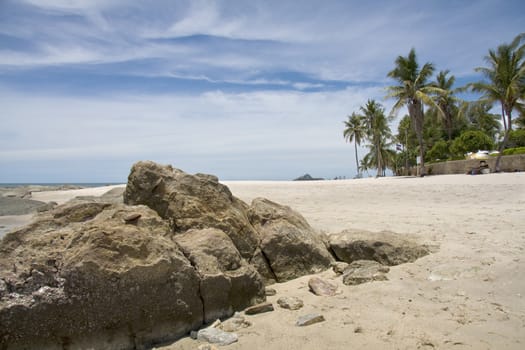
(468, 295)
(63, 196)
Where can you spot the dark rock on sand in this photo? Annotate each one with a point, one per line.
(191, 202)
(384, 247)
(290, 245)
(96, 273)
(362, 271)
(227, 282)
(92, 281)
(259, 308)
(18, 206)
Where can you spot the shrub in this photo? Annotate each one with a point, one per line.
(439, 151)
(471, 141)
(511, 151)
(516, 138)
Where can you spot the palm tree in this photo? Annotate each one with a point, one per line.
(377, 130)
(477, 115)
(505, 82)
(446, 100)
(354, 131)
(413, 91)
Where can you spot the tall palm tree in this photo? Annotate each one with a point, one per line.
(505, 82)
(477, 115)
(355, 131)
(446, 100)
(413, 90)
(377, 130)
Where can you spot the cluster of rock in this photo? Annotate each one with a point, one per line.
(180, 252)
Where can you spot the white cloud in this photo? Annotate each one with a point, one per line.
(202, 130)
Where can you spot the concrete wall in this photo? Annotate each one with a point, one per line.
(507, 164)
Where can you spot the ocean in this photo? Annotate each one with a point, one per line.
(56, 184)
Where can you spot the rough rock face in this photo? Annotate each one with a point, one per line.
(290, 245)
(227, 281)
(362, 271)
(190, 202)
(95, 273)
(94, 280)
(385, 247)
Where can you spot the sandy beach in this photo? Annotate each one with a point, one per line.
(468, 294)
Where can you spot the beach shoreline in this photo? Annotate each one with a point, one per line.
(465, 295)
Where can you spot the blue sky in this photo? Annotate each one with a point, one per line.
(240, 89)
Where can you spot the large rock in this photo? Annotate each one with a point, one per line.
(228, 283)
(191, 202)
(181, 251)
(288, 243)
(384, 247)
(81, 277)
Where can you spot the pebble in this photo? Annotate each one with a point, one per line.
(291, 303)
(319, 286)
(216, 336)
(132, 217)
(309, 319)
(259, 308)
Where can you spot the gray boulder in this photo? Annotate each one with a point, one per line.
(81, 277)
(227, 282)
(191, 202)
(386, 248)
(290, 245)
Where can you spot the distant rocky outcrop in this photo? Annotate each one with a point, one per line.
(181, 251)
(308, 177)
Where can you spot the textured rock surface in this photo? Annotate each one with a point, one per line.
(291, 303)
(234, 323)
(217, 336)
(384, 247)
(191, 202)
(309, 319)
(362, 271)
(66, 271)
(319, 286)
(290, 245)
(259, 308)
(227, 282)
(180, 251)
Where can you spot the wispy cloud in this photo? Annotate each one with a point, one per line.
(213, 84)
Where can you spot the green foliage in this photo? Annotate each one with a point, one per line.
(471, 141)
(379, 135)
(440, 151)
(512, 151)
(516, 138)
(413, 90)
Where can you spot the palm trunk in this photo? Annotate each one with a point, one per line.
(415, 110)
(356, 159)
(508, 129)
(379, 160)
